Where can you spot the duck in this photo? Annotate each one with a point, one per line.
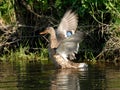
(64, 42)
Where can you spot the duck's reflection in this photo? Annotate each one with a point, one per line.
(75, 79)
(67, 79)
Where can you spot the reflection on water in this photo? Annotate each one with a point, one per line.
(67, 79)
(34, 76)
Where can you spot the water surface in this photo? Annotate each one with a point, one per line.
(34, 76)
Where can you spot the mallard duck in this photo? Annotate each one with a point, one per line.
(64, 41)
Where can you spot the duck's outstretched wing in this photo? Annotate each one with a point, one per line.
(67, 25)
(69, 46)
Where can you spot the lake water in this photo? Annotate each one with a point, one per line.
(34, 76)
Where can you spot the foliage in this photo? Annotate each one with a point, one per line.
(100, 10)
(7, 11)
(103, 14)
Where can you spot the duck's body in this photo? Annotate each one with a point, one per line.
(64, 42)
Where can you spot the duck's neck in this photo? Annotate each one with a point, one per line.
(53, 39)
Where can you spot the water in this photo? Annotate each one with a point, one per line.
(34, 76)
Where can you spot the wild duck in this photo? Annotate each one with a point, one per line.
(64, 42)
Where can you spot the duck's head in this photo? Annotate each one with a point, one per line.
(48, 30)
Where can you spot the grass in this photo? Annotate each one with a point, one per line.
(21, 55)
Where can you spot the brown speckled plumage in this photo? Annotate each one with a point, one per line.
(61, 46)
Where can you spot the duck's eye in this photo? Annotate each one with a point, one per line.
(69, 33)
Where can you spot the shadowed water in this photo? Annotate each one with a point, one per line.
(34, 76)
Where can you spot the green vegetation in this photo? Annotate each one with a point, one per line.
(21, 22)
(7, 12)
(22, 54)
